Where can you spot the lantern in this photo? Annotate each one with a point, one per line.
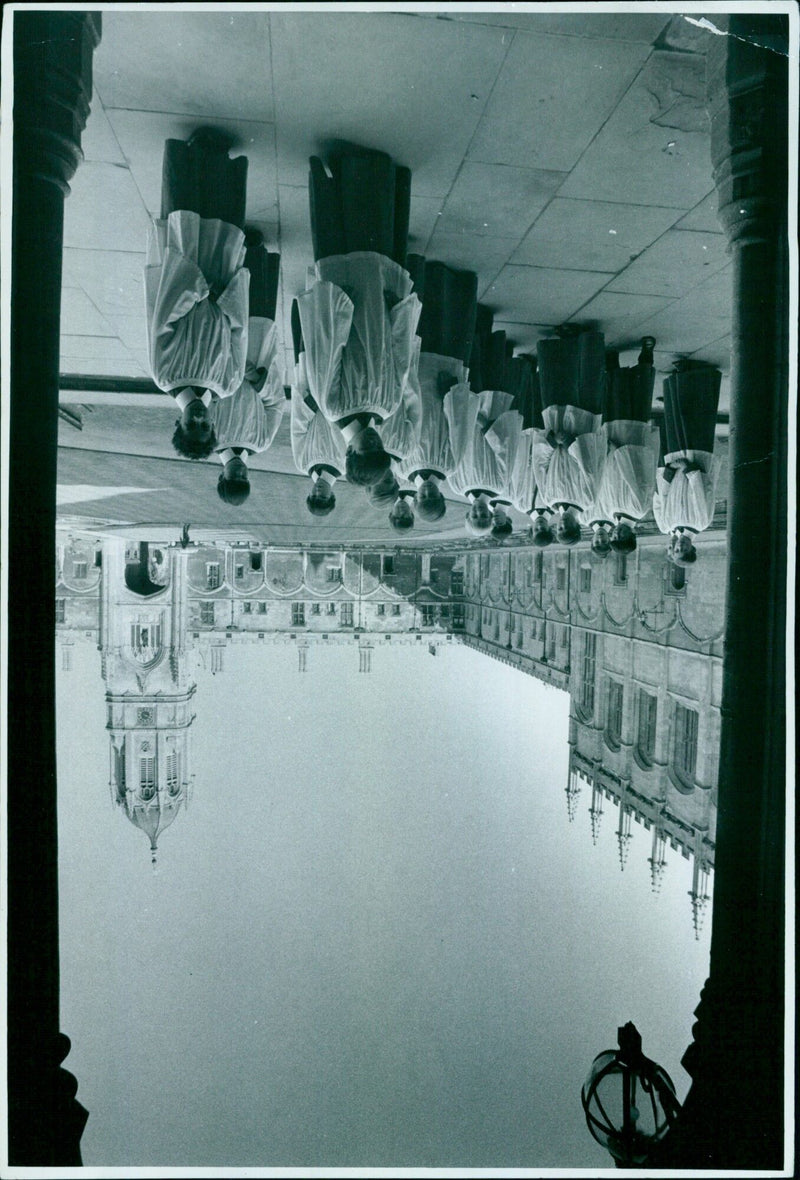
(629, 1101)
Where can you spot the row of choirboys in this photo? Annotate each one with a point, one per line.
(399, 382)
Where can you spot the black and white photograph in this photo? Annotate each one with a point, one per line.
(399, 415)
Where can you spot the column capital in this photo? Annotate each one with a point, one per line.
(747, 72)
(52, 90)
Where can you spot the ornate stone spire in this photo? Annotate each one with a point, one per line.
(572, 791)
(596, 811)
(624, 836)
(657, 858)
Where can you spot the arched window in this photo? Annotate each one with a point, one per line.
(677, 577)
(614, 714)
(588, 673)
(684, 747)
(620, 568)
(173, 784)
(646, 727)
(147, 777)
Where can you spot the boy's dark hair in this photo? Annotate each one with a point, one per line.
(683, 558)
(320, 507)
(544, 537)
(568, 531)
(431, 507)
(623, 539)
(189, 446)
(232, 491)
(502, 528)
(365, 468)
(384, 493)
(401, 523)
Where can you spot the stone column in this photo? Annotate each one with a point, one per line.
(52, 92)
(733, 1115)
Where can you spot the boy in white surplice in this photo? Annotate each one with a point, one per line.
(197, 284)
(358, 313)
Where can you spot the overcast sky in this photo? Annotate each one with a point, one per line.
(373, 939)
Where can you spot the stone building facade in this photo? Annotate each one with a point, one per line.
(636, 643)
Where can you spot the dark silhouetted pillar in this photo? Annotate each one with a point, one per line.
(733, 1116)
(52, 91)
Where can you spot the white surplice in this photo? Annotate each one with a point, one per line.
(433, 451)
(192, 339)
(252, 416)
(484, 436)
(689, 499)
(359, 351)
(315, 440)
(629, 471)
(569, 474)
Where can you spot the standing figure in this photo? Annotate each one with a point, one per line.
(523, 492)
(568, 451)
(359, 314)
(446, 330)
(484, 430)
(686, 482)
(196, 283)
(317, 444)
(629, 473)
(484, 434)
(246, 424)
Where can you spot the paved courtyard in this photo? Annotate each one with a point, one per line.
(564, 157)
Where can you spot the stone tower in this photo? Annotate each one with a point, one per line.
(148, 689)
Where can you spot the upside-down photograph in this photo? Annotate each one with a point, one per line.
(447, 350)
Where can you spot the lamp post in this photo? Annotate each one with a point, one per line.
(629, 1101)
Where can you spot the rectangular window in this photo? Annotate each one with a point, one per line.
(331, 608)
(248, 608)
(334, 573)
(98, 558)
(381, 610)
(585, 584)
(396, 609)
(207, 612)
(685, 741)
(61, 610)
(298, 614)
(255, 560)
(564, 637)
(561, 577)
(239, 572)
(315, 608)
(387, 565)
(620, 568)
(538, 567)
(172, 773)
(551, 643)
(262, 608)
(428, 614)
(346, 617)
(588, 671)
(646, 734)
(212, 575)
(457, 582)
(80, 569)
(614, 712)
(458, 616)
(147, 773)
(528, 574)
